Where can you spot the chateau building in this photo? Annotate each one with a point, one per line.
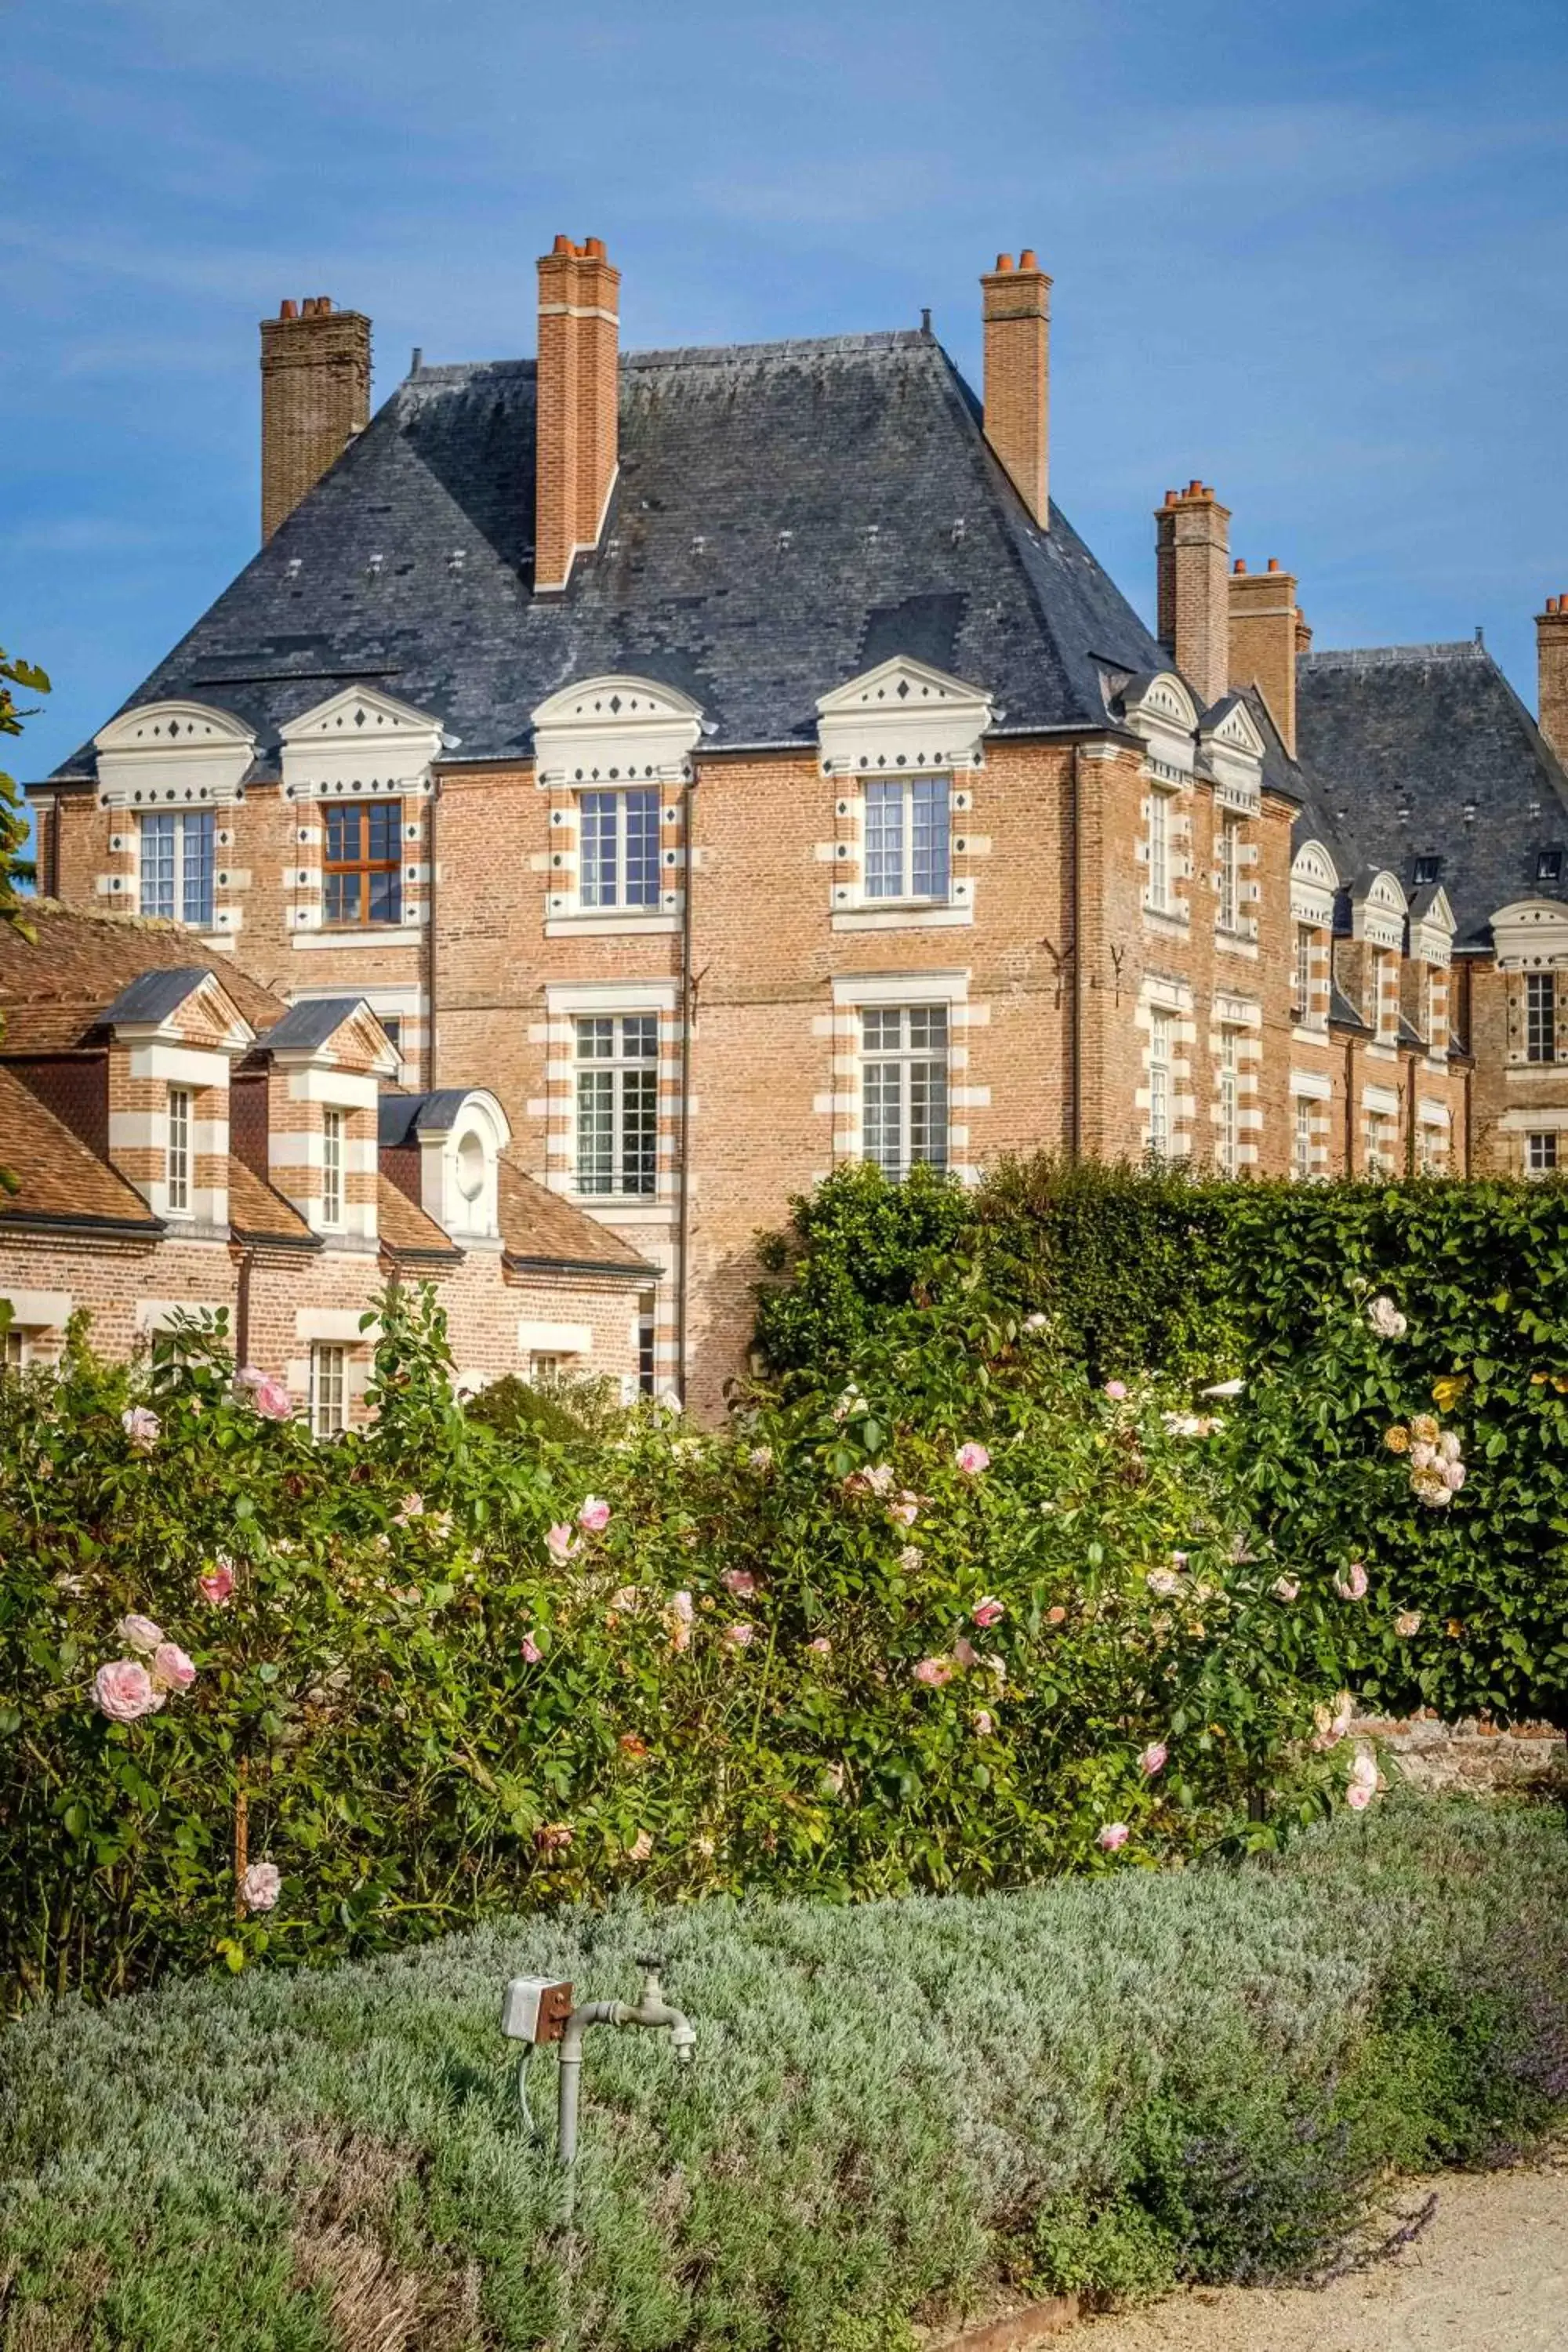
(733, 763)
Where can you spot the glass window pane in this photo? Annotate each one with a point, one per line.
(885, 841)
(642, 848)
(639, 1037)
(381, 819)
(930, 862)
(343, 834)
(596, 871)
(595, 1130)
(639, 1130)
(197, 839)
(158, 866)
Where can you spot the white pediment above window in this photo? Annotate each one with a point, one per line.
(1432, 927)
(1530, 934)
(1314, 885)
(1158, 708)
(359, 742)
(1233, 748)
(615, 731)
(173, 755)
(902, 715)
(1377, 911)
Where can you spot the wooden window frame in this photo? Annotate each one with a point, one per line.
(362, 867)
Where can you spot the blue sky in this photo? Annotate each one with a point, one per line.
(1317, 255)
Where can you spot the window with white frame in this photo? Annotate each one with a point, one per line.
(543, 1366)
(331, 1168)
(1301, 1159)
(1301, 989)
(647, 1359)
(1431, 1148)
(1382, 1142)
(617, 1103)
(617, 849)
(1228, 1144)
(1159, 850)
(1541, 1017)
(177, 1153)
(1160, 1030)
(328, 1389)
(392, 1025)
(178, 849)
(13, 1354)
(907, 831)
(1540, 1152)
(1229, 847)
(903, 1086)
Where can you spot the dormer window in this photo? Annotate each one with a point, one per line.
(1549, 865)
(1426, 870)
(177, 856)
(178, 1154)
(333, 1166)
(908, 838)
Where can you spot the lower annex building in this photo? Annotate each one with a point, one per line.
(732, 761)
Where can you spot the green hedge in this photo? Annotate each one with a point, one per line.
(1140, 1270)
(894, 2108)
(965, 1625)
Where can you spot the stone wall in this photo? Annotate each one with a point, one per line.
(1473, 1756)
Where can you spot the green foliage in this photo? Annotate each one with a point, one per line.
(860, 1249)
(828, 1649)
(897, 2109)
(566, 1407)
(1153, 1270)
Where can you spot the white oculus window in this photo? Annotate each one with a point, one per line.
(907, 838)
(1540, 1152)
(1302, 1154)
(1229, 874)
(328, 1389)
(177, 851)
(903, 1086)
(617, 849)
(617, 1103)
(331, 1168)
(1227, 1148)
(177, 1156)
(1160, 1026)
(1160, 851)
(1303, 991)
(1541, 1017)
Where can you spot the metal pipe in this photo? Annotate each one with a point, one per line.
(683, 1205)
(652, 2011)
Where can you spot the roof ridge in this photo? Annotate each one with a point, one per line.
(1374, 656)
(692, 354)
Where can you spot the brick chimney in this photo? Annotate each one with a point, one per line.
(1551, 658)
(579, 404)
(1016, 310)
(315, 396)
(1192, 557)
(1264, 625)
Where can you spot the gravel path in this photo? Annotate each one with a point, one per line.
(1488, 2275)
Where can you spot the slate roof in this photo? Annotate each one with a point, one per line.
(402, 1117)
(61, 1180)
(55, 992)
(785, 515)
(1397, 742)
(305, 1026)
(154, 995)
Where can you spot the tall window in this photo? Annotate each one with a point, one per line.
(647, 1360)
(1540, 1153)
(907, 838)
(1541, 1017)
(1431, 1148)
(361, 874)
(617, 1103)
(331, 1168)
(1302, 988)
(1160, 850)
(177, 851)
(1227, 1150)
(618, 849)
(1229, 874)
(1301, 1142)
(328, 1389)
(177, 1158)
(903, 1086)
(1382, 1140)
(13, 1355)
(1159, 1083)
(1436, 1008)
(1384, 994)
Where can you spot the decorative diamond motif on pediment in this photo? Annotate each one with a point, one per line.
(903, 714)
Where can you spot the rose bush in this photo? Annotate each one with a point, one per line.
(930, 1627)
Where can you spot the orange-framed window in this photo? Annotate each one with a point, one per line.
(362, 872)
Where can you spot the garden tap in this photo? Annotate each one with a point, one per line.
(651, 2009)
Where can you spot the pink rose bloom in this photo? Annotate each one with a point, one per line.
(261, 1886)
(269, 1397)
(739, 1580)
(1178, 1559)
(561, 1543)
(934, 1672)
(141, 1633)
(1453, 1475)
(1152, 1759)
(906, 1510)
(965, 1653)
(532, 1652)
(987, 1613)
(640, 1847)
(1057, 1616)
(1113, 1836)
(1358, 1796)
(1285, 1587)
(821, 1648)
(594, 1516)
(985, 1722)
(911, 1557)
(1116, 1391)
(1352, 1581)
(171, 1668)
(739, 1636)
(972, 1458)
(216, 1584)
(123, 1690)
(140, 1427)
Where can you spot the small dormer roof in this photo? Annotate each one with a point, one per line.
(310, 1028)
(154, 995)
(402, 1117)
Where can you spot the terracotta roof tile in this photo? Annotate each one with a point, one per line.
(259, 1214)
(59, 1176)
(403, 1224)
(54, 990)
(538, 1226)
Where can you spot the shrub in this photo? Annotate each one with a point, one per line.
(895, 2107)
(826, 1650)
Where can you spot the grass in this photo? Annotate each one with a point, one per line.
(1105, 2084)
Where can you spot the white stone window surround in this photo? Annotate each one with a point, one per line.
(1530, 935)
(1232, 751)
(157, 1052)
(854, 908)
(1378, 914)
(565, 1003)
(1383, 1102)
(901, 721)
(459, 1180)
(1432, 934)
(1316, 1085)
(615, 734)
(37, 1310)
(1171, 998)
(856, 993)
(173, 754)
(567, 916)
(534, 1338)
(358, 744)
(314, 1080)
